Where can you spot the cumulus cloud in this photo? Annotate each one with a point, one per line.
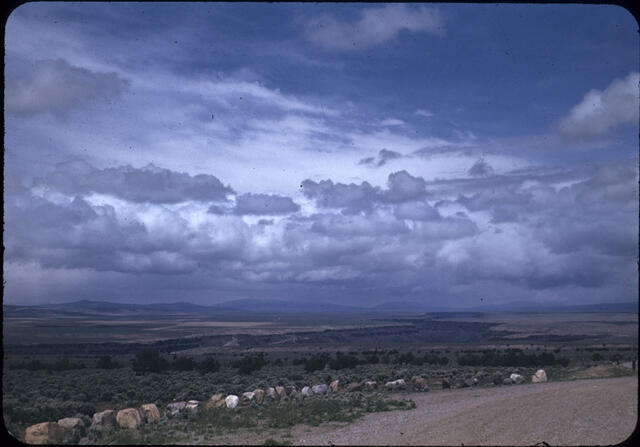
(56, 86)
(375, 26)
(149, 184)
(386, 239)
(603, 110)
(352, 198)
(403, 186)
(513, 254)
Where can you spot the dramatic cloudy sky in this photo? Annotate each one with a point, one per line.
(352, 154)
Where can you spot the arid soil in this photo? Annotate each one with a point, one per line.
(580, 412)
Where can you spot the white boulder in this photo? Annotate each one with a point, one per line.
(319, 389)
(539, 376)
(306, 392)
(106, 418)
(395, 384)
(271, 393)
(231, 401)
(175, 407)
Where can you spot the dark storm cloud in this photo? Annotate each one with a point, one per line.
(264, 204)
(416, 211)
(356, 225)
(78, 235)
(149, 184)
(480, 169)
(56, 86)
(71, 235)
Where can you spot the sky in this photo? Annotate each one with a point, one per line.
(341, 153)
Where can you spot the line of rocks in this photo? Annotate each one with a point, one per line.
(131, 418)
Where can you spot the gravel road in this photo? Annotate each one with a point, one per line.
(581, 412)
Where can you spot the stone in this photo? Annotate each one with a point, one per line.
(271, 393)
(446, 383)
(175, 407)
(370, 385)
(306, 392)
(395, 384)
(319, 389)
(468, 383)
(497, 378)
(507, 381)
(70, 423)
(106, 418)
(129, 418)
(150, 412)
(259, 395)
(216, 401)
(231, 401)
(517, 378)
(43, 433)
(420, 383)
(248, 397)
(539, 376)
(291, 390)
(71, 428)
(281, 392)
(192, 405)
(459, 383)
(335, 386)
(354, 386)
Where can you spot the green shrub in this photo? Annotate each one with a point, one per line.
(182, 363)
(106, 362)
(343, 361)
(316, 362)
(149, 360)
(208, 365)
(249, 364)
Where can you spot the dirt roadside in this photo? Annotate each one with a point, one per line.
(580, 412)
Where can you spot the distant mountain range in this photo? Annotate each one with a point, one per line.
(282, 306)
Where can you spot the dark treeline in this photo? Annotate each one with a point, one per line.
(63, 364)
(150, 360)
(512, 357)
(342, 361)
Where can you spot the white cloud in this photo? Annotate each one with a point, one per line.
(422, 112)
(600, 111)
(55, 86)
(375, 26)
(392, 122)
